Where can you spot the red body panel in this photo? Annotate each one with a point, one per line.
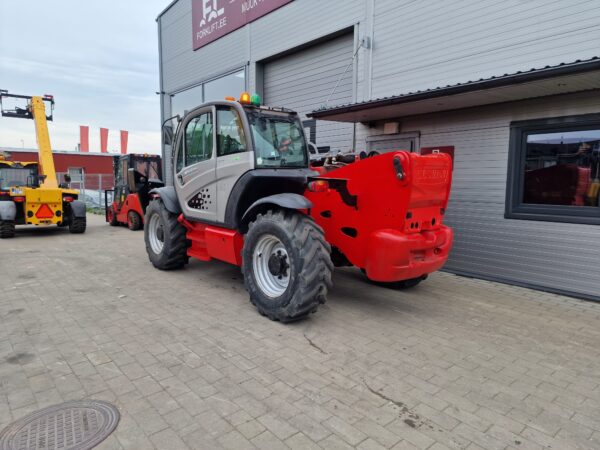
(388, 225)
(131, 203)
(209, 241)
(395, 231)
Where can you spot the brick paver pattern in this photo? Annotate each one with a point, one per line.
(455, 363)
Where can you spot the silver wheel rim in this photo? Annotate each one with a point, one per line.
(156, 234)
(271, 283)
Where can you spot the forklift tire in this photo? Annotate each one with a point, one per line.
(166, 243)
(134, 221)
(294, 277)
(112, 217)
(7, 229)
(77, 225)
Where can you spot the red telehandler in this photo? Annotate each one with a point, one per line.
(244, 193)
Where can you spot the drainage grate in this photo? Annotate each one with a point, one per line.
(77, 425)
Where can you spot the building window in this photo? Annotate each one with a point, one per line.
(554, 170)
(76, 174)
(231, 84)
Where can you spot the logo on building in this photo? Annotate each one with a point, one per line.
(210, 11)
(213, 19)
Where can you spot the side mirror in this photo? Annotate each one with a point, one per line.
(168, 135)
(67, 178)
(131, 180)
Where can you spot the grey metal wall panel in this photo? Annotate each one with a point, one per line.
(304, 80)
(290, 26)
(559, 256)
(420, 45)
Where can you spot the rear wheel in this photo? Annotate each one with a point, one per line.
(286, 264)
(404, 284)
(134, 221)
(77, 225)
(165, 239)
(7, 229)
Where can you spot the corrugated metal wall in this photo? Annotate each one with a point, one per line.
(304, 80)
(421, 45)
(559, 256)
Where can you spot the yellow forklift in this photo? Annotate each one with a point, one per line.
(29, 191)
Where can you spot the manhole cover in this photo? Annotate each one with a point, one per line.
(77, 425)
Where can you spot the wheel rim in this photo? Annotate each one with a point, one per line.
(156, 234)
(271, 265)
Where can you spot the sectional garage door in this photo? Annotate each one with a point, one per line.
(304, 80)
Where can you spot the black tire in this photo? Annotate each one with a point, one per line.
(112, 216)
(77, 225)
(7, 229)
(400, 285)
(174, 243)
(134, 221)
(307, 260)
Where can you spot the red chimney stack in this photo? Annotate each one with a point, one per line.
(124, 137)
(84, 138)
(104, 140)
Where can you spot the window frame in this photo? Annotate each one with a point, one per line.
(514, 206)
(217, 129)
(210, 111)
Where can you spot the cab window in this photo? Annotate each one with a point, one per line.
(199, 139)
(230, 137)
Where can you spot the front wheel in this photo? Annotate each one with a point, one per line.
(165, 239)
(111, 216)
(286, 265)
(7, 229)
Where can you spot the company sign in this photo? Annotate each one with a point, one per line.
(213, 19)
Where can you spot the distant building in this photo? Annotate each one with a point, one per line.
(92, 171)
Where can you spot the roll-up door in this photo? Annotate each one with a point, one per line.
(304, 80)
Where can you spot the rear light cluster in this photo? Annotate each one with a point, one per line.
(318, 186)
(68, 199)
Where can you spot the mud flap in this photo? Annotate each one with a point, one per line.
(78, 208)
(8, 211)
(169, 198)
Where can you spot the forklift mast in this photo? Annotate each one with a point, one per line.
(36, 109)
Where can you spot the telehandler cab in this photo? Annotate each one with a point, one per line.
(29, 191)
(244, 193)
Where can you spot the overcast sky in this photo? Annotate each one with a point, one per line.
(98, 58)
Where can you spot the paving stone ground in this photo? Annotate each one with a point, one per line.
(455, 363)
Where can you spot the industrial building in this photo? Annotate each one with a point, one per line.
(510, 88)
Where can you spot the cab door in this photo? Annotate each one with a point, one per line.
(195, 166)
(233, 155)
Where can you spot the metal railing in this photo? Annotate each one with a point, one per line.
(91, 187)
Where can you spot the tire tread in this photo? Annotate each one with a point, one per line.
(7, 229)
(314, 279)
